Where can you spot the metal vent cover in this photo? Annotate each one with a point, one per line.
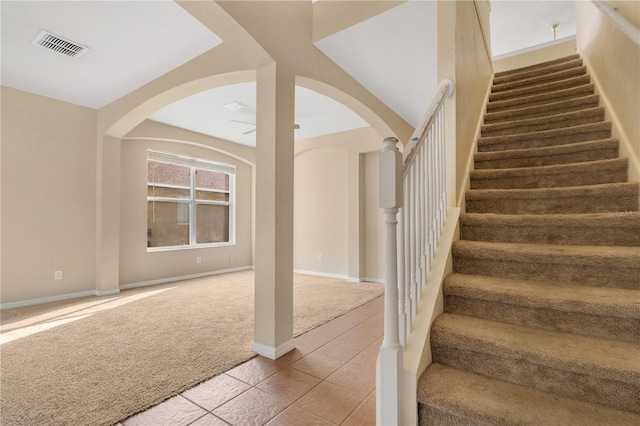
(60, 45)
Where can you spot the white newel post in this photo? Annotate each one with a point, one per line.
(390, 363)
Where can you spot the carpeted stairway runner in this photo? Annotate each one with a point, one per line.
(542, 312)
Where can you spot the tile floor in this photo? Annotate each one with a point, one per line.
(329, 379)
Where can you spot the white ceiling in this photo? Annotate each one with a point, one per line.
(392, 55)
(204, 113)
(521, 24)
(134, 42)
(131, 42)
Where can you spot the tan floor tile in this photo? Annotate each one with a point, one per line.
(216, 391)
(362, 334)
(289, 358)
(209, 420)
(318, 365)
(255, 370)
(176, 411)
(369, 356)
(294, 416)
(289, 384)
(337, 326)
(331, 402)
(342, 350)
(365, 414)
(355, 377)
(309, 342)
(254, 407)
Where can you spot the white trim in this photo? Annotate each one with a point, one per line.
(49, 299)
(533, 48)
(184, 277)
(321, 274)
(623, 24)
(107, 292)
(271, 352)
(355, 279)
(374, 280)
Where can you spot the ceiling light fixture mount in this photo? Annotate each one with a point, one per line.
(554, 28)
(234, 106)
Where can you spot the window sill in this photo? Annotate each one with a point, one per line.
(199, 246)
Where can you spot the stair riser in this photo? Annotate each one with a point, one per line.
(532, 81)
(613, 275)
(546, 124)
(608, 327)
(540, 99)
(553, 140)
(539, 69)
(552, 181)
(542, 111)
(588, 236)
(592, 204)
(523, 371)
(547, 160)
(431, 416)
(529, 91)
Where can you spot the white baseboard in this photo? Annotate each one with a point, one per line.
(374, 280)
(355, 279)
(107, 292)
(321, 274)
(271, 352)
(41, 300)
(184, 277)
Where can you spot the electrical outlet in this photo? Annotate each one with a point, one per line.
(57, 275)
(198, 259)
(320, 257)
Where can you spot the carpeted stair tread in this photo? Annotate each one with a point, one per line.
(479, 400)
(548, 155)
(528, 74)
(553, 137)
(565, 351)
(577, 174)
(621, 229)
(539, 79)
(542, 67)
(528, 125)
(540, 88)
(541, 98)
(609, 197)
(563, 363)
(567, 105)
(596, 266)
(608, 313)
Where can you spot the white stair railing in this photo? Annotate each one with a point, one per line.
(415, 188)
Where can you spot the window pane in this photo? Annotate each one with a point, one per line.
(213, 224)
(159, 191)
(206, 179)
(212, 196)
(163, 227)
(163, 173)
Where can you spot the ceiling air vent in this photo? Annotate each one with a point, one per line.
(60, 45)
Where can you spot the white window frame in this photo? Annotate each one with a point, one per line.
(203, 164)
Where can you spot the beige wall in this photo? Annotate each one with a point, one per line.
(374, 221)
(136, 264)
(473, 78)
(321, 211)
(614, 64)
(546, 53)
(48, 196)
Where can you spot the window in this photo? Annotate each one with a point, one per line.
(190, 202)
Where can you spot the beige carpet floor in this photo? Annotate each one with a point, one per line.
(95, 361)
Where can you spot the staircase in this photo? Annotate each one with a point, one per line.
(542, 313)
